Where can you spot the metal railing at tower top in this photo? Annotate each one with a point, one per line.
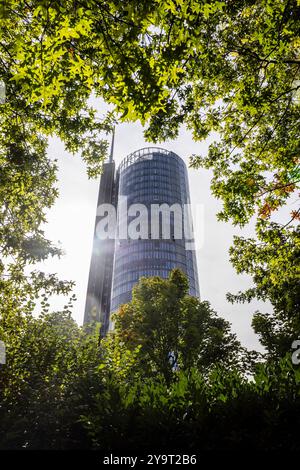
(144, 154)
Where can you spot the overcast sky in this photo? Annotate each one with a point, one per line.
(71, 221)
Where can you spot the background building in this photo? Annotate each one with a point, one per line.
(148, 176)
(97, 306)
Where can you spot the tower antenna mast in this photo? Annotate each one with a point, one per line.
(111, 155)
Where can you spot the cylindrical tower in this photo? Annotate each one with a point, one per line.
(152, 177)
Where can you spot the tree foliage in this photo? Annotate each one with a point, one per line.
(274, 265)
(45, 356)
(174, 330)
(62, 388)
(222, 68)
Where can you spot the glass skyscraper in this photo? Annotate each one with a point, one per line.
(153, 185)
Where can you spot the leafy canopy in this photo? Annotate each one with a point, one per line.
(222, 68)
(174, 330)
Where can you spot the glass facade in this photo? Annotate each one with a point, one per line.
(151, 176)
(97, 306)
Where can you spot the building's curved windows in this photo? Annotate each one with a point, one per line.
(151, 176)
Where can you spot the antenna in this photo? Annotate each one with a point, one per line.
(111, 155)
